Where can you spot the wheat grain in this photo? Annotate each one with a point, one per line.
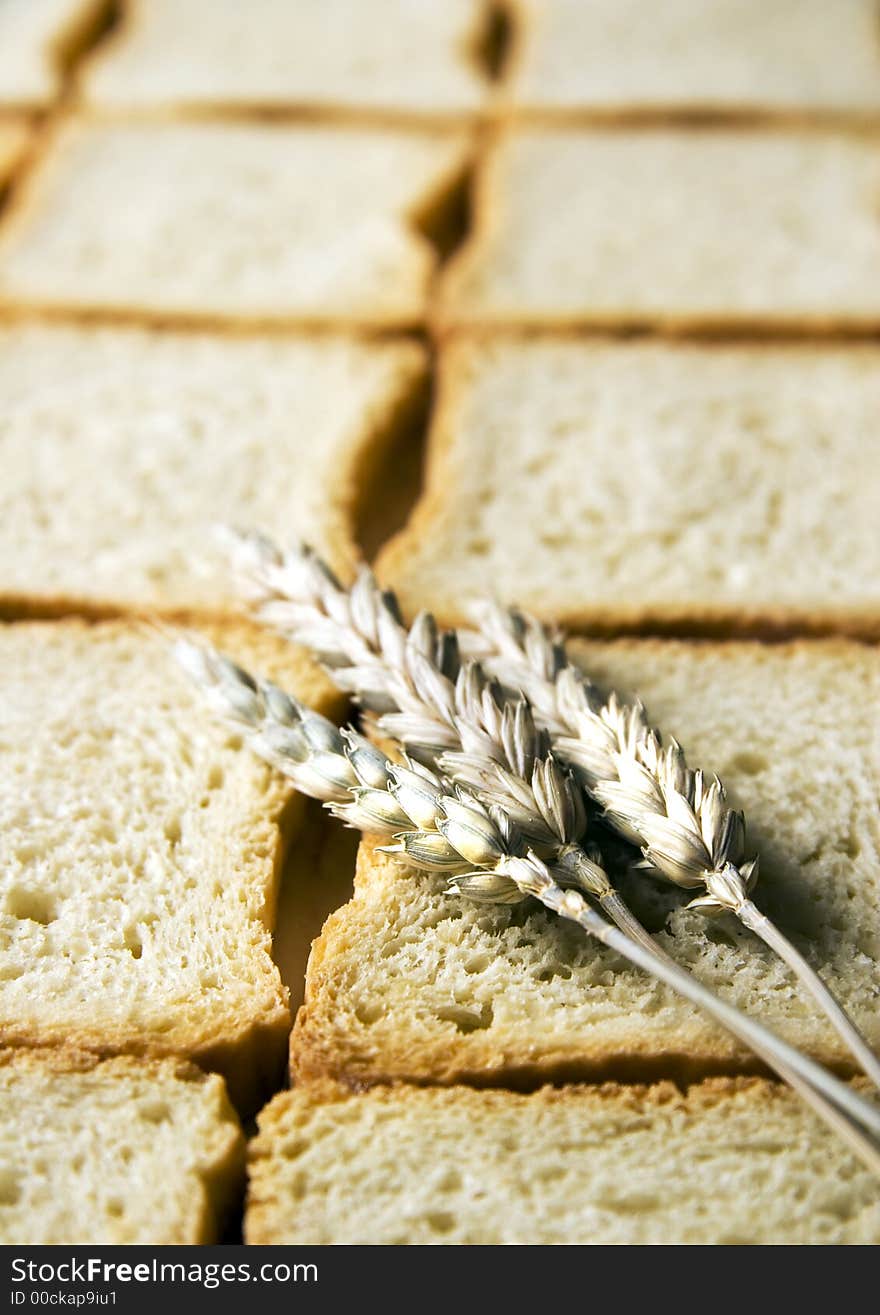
(477, 840)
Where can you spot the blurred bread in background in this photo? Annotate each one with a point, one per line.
(230, 221)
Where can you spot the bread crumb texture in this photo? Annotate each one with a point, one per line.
(631, 226)
(127, 1151)
(729, 1162)
(599, 483)
(221, 220)
(140, 853)
(410, 981)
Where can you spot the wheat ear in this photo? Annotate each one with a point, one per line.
(438, 827)
(445, 713)
(679, 818)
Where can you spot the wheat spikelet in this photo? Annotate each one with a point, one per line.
(439, 827)
(443, 711)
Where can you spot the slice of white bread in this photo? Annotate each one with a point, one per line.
(410, 981)
(635, 228)
(123, 448)
(728, 1161)
(119, 1152)
(247, 221)
(36, 38)
(643, 484)
(791, 55)
(390, 55)
(140, 848)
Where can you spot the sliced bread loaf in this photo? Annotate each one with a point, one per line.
(140, 849)
(123, 448)
(123, 1151)
(635, 228)
(410, 981)
(36, 39)
(791, 55)
(736, 1162)
(326, 54)
(248, 221)
(612, 485)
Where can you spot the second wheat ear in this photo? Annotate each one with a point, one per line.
(679, 818)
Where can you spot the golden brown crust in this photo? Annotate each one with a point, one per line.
(69, 1059)
(13, 144)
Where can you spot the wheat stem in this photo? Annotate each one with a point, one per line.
(461, 831)
(758, 922)
(824, 1096)
(622, 916)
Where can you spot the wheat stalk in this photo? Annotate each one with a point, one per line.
(440, 827)
(444, 712)
(679, 818)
